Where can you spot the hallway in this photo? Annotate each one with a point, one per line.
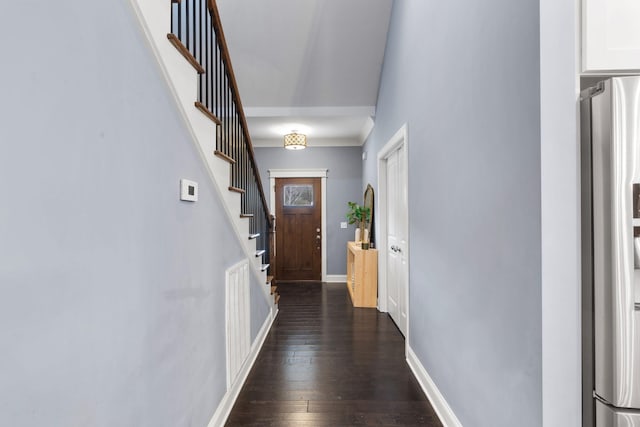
(325, 363)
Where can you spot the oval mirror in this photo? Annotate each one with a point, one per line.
(368, 203)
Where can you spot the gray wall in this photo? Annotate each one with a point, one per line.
(112, 307)
(344, 184)
(464, 75)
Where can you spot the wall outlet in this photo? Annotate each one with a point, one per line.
(188, 190)
(343, 225)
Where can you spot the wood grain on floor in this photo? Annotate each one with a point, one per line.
(325, 363)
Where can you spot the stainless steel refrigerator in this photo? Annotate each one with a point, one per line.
(611, 248)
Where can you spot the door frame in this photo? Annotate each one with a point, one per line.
(305, 173)
(399, 140)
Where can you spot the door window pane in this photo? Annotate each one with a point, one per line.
(298, 195)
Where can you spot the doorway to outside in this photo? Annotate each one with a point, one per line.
(298, 198)
(394, 225)
(298, 239)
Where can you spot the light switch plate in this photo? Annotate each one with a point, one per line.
(188, 190)
(343, 225)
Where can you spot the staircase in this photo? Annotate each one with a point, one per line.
(189, 43)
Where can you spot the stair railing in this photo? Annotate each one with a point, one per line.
(197, 33)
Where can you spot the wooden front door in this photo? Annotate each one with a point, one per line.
(298, 221)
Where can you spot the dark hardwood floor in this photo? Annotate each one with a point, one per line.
(326, 363)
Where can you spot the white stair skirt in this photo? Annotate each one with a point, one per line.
(238, 318)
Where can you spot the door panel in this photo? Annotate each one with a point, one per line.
(298, 220)
(607, 416)
(397, 280)
(392, 254)
(402, 234)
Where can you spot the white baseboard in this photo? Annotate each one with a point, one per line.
(336, 278)
(439, 404)
(229, 399)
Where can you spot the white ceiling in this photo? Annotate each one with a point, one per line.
(307, 65)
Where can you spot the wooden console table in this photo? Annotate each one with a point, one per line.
(362, 275)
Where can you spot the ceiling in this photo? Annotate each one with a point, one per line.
(307, 65)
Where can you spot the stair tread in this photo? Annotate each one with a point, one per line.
(200, 106)
(236, 189)
(224, 157)
(273, 289)
(254, 236)
(175, 41)
(245, 215)
(269, 279)
(260, 252)
(264, 267)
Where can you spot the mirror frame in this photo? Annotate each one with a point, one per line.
(369, 202)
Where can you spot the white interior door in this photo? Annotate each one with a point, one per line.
(397, 239)
(392, 254)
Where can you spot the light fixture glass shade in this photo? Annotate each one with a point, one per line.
(295, 141)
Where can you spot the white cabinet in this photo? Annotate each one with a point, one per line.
(610, 35)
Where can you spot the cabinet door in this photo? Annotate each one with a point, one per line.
(610, 35)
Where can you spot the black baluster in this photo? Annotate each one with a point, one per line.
(223, 143)
(201, 33)
(226, 119)
(179, 34)
(173, 22)
(229, 113)
(186, 22)
(193, 28)
(203, 77)
(207, 27)
(218, 85)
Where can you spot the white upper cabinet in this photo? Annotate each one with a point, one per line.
(610, 35)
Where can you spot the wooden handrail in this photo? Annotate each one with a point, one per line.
(196, 31)
(217, 25)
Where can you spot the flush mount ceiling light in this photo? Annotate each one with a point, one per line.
(295, 141)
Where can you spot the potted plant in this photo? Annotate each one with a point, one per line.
(360, 215)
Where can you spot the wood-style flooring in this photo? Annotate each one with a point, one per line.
(325, 363)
